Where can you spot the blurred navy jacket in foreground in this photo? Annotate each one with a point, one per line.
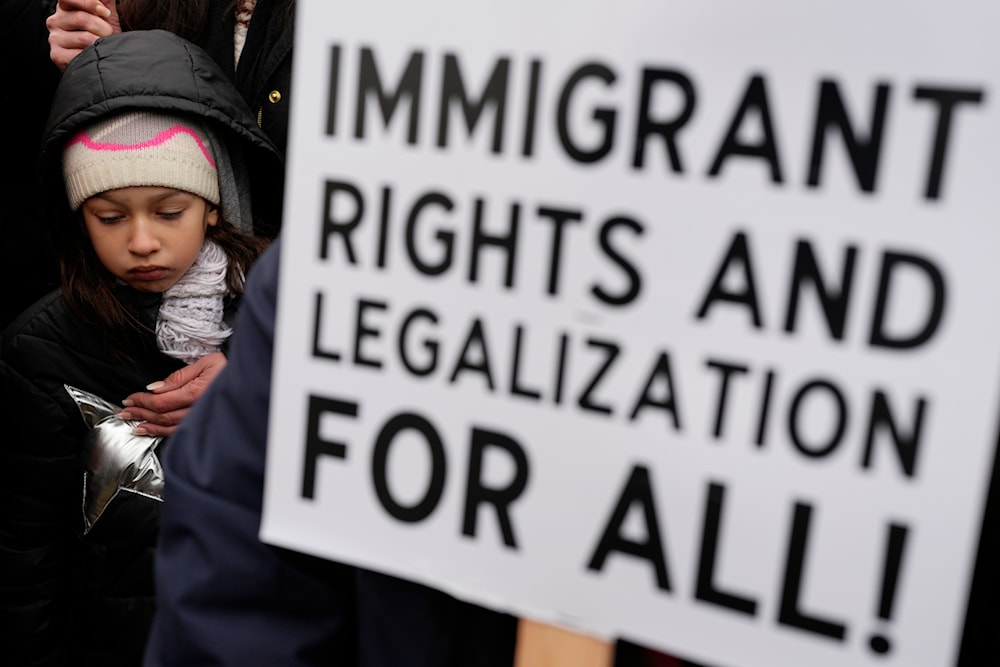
(225, 598)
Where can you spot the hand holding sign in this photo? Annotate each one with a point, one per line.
(540, 645)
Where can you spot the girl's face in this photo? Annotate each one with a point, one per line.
(148, 237)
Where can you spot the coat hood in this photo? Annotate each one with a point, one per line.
(157, 70)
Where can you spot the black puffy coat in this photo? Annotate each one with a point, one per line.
(66, 599)
(264, 74)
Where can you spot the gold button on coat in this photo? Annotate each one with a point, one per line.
(274, 97)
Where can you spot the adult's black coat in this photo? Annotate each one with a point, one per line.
(264, 72)
(66, 598)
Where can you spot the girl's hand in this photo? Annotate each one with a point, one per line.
(76, 24)
(166, 402)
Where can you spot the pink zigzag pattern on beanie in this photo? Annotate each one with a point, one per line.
(166, 135)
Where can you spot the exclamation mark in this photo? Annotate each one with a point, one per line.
(890, 574)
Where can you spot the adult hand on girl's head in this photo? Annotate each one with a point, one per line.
(76, 24)
(166, 402)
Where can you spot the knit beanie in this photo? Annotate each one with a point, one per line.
(141, 148)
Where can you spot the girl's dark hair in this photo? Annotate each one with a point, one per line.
(90, 289)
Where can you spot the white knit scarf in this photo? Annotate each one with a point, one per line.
(189, 324)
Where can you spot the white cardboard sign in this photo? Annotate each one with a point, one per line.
(668, 321)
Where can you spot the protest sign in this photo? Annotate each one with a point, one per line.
(674, 322)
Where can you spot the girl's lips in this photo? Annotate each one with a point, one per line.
(148, 273)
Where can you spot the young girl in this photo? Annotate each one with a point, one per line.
(147, 167)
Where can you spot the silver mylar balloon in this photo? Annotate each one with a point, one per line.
(115, 460)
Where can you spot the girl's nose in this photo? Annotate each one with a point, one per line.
(143, 241)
